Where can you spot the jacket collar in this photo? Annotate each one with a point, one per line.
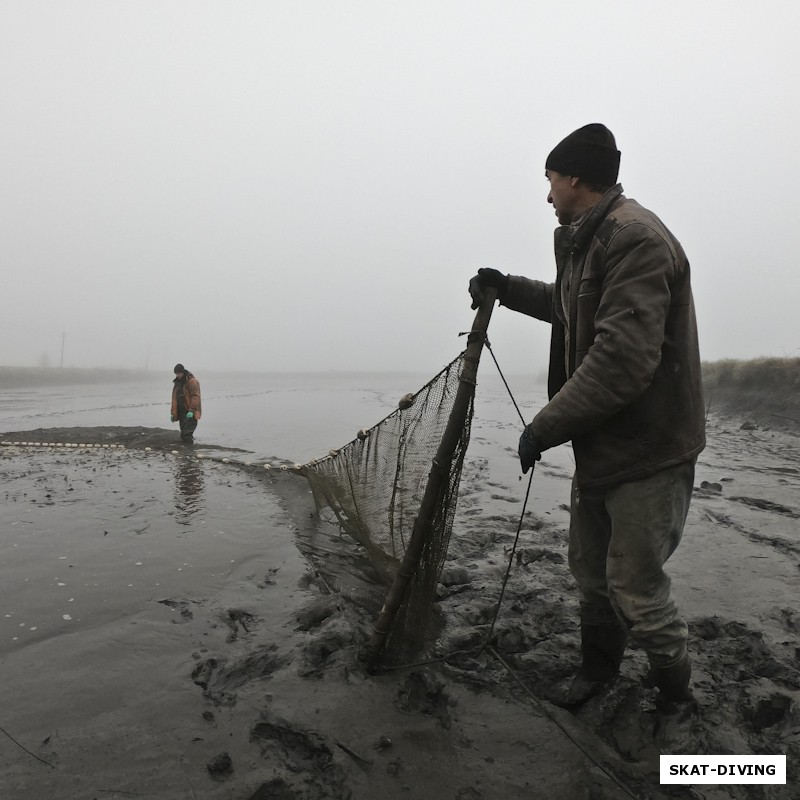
(583, 230)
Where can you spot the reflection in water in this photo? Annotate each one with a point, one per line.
(189, 489)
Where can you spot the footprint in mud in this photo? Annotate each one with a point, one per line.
(766, 708)
(505, 498)
(781, 545)
(555, 472)
(424, 694)
(529, 555)
(201, 674)
(315, 613)
(276, 789)
(220, 680)
(329, 638)
(766, 505)
(750, 691)
(305, 755)
(182, 606)
(789, 618)
(269, 578)
(240, 622)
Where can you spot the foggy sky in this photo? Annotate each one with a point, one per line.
(310, 185)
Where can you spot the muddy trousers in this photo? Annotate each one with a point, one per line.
(187, 428)
(620, 537)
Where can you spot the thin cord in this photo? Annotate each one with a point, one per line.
(510, 560)
(491, 353)
(22, 747)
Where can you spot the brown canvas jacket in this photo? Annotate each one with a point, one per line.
(627, 392)
(191, 396)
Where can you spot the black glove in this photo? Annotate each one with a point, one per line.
(487, 277)
(529, 450)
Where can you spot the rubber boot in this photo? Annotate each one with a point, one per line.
(602, 647)
(675, 707)
(673, 684)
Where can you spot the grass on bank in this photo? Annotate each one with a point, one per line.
(781, 374)
(764, 390)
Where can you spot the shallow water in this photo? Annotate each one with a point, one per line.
(292, 417)
(95, 536)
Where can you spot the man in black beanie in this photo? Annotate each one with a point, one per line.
(624, 387)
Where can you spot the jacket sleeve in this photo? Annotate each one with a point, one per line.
(628, 336)
(193, 397)
(534, 298)
(174, 403)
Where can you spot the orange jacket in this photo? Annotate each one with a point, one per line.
(191, 396)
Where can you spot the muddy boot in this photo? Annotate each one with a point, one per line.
(602, 647)
(676, 707)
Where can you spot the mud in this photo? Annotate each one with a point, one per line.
(216, 623)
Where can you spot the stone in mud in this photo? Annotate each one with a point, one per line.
(220, 767)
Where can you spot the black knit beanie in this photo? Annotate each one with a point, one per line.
(589, 153)
(179, 368)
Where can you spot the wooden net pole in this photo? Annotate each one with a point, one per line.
(437, 481)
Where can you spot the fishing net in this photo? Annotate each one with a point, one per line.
(376, 484)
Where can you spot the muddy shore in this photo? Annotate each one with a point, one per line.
(208, 654)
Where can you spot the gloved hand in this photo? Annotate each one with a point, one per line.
(487, 277)
(171, 418)
(190, 415)
(529, 450)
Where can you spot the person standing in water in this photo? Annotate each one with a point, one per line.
(186, 406)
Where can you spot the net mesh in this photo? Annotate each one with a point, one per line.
(375, 485)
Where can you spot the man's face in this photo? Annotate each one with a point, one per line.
(563, 195)
(179, 376)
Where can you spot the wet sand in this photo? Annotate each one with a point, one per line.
(168, 631)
